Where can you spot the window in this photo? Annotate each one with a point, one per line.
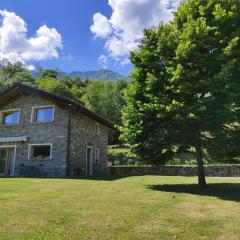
(10, 117)
(97, 155)
(43, 114)
(40, 151)
(97, 129)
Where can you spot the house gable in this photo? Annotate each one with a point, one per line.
(20, 89)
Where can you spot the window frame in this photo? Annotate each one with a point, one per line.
(30, 150)
(10, 111)
(97, 153)
(34, 110)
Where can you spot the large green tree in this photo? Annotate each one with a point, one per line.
(186, 86)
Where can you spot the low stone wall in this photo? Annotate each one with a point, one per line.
(214, 171)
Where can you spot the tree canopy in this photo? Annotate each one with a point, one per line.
(66, 86)
(106, 98)
(186, 86)
(13, 73)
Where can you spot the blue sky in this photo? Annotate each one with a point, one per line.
(87, 35)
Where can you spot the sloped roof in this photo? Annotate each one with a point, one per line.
(19, 89)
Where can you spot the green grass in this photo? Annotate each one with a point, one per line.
(146, 207)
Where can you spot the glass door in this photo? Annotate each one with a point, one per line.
(7, 161)
(10, 162)
(89, 161)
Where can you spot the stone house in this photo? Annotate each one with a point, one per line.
(42, 134)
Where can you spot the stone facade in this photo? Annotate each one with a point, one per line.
(83, 135)
(69, 133)
(213, 171)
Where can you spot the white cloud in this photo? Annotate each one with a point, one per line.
(103, 60)
(124, 29)
(30, 67)
(16, 46)
(100, 27)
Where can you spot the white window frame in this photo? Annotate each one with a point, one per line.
(14, 156)
(97, 127)
(33, 113)
(39, 144)
(97, 156)
(9, 111)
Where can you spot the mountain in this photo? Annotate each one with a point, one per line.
(103, 74)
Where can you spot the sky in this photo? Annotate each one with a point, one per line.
(78, 35)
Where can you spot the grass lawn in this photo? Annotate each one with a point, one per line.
(146, 207)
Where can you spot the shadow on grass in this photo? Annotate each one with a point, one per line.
(224, 191)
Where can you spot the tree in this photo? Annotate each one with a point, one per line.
(66, 86)
(49, 73)
(54, 86)
(12, 73)
(106, 98)
(185, 90)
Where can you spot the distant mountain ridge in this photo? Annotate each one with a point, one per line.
(103, 74)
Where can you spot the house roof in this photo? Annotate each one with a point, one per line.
(19, 89)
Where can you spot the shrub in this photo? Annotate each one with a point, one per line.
(122, 156)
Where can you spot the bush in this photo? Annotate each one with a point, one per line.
(122, 156)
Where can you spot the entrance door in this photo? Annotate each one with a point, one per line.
(7, 161)
(89, 161)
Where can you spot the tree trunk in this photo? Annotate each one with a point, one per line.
(199, 157)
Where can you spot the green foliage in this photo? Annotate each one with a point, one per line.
(65, 86)
(186, 84)
(106, 99)
(13, 73)
(49, 73)
(122, 156)
(116, 151)
(54, 86)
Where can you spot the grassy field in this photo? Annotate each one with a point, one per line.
(147, 207)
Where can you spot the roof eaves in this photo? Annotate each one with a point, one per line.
(76, 106)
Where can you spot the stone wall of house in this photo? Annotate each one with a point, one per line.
(215, 171)
(37, 133)
(83, 135)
